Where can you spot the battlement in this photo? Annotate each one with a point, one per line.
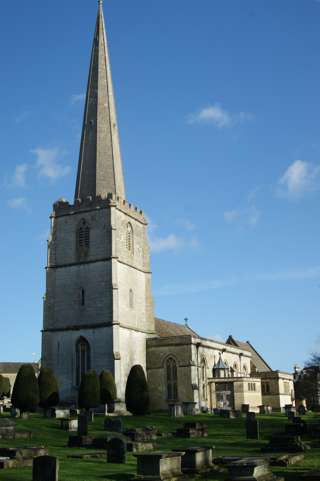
(63, 207)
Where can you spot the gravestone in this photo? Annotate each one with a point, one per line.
(116, 451)
(82, 424)
(7, 427)
(250, 469)
(196, 459)
(159, 465)
(251, 416)
(175, 410)
(90, 416)
(245, 408)
(192, 430)
(70, 425)
(290, 415)
(113, 424)
(285, 443)
(1, 408)
(252, 429)
(45, 468)
(189, 408)
(60, 413)
(15, 412)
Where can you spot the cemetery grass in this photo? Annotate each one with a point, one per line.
(227, 435)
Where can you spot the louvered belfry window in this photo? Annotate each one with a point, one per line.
(83, 238)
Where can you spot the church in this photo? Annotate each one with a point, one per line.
(98, 305)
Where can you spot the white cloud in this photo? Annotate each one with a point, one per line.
(18, 203)
(77, 98)
(254, 215)
(186, 224)
(217, 116)
(231, 215)
(48, 165)
(300, 177)
(19, 176)
(169, 243)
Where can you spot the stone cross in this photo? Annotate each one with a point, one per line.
(45, 468)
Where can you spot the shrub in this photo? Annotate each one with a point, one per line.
(137, 393)
(5, 387)
(89, 391)
(48, 388)
(108, 389)
(25, 393)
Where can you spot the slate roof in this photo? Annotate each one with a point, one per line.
(172, 329)
(257, 360)
(13, 367)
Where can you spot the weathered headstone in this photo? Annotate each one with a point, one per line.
(252, 429)
(113, 424)
(45, 468)
(252, 469)
(285, 443)
(175, 410)
(189, 408)
(7, 427)
(302, 410)
(245, 408)
(61, 413)
(15, 412)
(159, 465)
(82, 425)
(116, 451)
(70, 425)
(196, 459)
(251, 416)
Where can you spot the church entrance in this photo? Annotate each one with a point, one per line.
(224, 395)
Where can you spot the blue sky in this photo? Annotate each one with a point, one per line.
(218, 108)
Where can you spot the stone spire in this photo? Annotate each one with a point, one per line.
(100, 165)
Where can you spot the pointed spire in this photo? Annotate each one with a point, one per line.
(100, 165)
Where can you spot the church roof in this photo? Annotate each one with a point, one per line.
(100, 165)
(256, 359)
(172, 329)
(13, 367)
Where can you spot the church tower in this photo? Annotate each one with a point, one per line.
(98, 306)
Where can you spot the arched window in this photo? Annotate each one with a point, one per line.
(204, 379)
(83, 360)
(83, 237)
(131, 299)
(172, 379)
(129, 237)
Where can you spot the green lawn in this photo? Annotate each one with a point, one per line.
(228, 437)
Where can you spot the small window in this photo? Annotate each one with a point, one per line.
(131, 299)
(83, 297)
(129, 237)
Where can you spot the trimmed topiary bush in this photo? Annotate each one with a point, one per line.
(48, 388)
(25, 393)
(89, 391)
(5, 387)
(108, 389)
(137, 392)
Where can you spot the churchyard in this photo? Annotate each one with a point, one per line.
(228, 437)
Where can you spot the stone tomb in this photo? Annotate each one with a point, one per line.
(285, 443)
(45, 468)
(189, 408)
(116, 451)
(250, 469)
(113, 424)
(196, 459)
(70, 425)
(252, 429)
(192, 430)
(159, 466)
(175, 410)
(20, 457)
(61, 413)
(7, 427)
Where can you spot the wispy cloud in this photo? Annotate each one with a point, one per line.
(300, 177)
(249, 215)
(18, 203)
(213, 284)
(48, 163)
(186, 224)
(218, 116)
(19, 175)
(77, 98)
(170, 243)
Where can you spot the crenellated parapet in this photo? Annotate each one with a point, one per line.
(62, 207)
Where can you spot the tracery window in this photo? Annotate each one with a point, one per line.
(172, 379)
(83, 359)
